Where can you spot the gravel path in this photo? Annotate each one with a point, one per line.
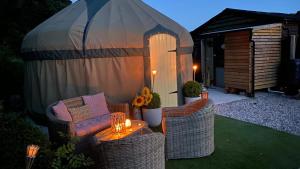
(271, 110)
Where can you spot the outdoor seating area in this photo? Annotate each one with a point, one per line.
(186, 132)
(108, 136)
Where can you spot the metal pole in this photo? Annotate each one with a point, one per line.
(29, 163)
(194, 74)
(153, 79)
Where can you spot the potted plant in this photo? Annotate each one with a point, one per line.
(192, 91)
(151, 106)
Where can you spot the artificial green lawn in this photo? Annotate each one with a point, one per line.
(240, 145)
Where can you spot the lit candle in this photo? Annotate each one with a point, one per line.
(32, 150)
(128, 123)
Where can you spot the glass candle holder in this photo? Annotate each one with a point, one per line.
(204, 95)
(118, 122)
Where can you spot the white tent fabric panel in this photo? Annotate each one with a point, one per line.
(64, 30)
(48, 81)
(103, 23)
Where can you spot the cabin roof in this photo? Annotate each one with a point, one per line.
(251, 18)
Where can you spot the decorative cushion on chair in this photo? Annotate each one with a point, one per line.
(97, 104)
(61, 111)
(92, 125)
(81, 113)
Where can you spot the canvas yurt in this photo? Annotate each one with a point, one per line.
(108, 46)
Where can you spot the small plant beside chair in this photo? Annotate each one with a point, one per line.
(192, 91)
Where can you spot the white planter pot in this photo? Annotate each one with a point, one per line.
(152, 116)
(191, 99)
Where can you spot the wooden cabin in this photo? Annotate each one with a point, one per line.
(242, 50)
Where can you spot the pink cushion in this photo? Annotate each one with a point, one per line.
(90, 126)
(97, 104)
(61, 111)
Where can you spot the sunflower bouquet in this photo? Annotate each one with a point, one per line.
(147, 99)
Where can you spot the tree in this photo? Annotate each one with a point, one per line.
(18, 17)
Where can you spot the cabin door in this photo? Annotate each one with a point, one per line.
(207, 67)
(163, 60)
(218, 49)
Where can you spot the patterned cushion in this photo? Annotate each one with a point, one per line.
(61, 111)
(97, 104)
(81, 113)
(92, 125)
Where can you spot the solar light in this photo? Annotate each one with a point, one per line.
(31, 153)
(153, 78)
(194, 71)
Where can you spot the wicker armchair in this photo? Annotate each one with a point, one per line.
(135, 152)
(56, 125)
(189, 130)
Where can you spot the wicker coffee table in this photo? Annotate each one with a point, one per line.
(138, 149)
(137, 127)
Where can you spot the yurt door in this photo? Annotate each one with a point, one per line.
(163, 60)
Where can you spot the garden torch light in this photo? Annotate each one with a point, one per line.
(31, 153)
(153, 78)
(194, 71)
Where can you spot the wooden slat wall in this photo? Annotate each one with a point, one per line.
(267, 55)
(237, 60)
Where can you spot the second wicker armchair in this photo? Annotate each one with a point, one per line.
(189, 130)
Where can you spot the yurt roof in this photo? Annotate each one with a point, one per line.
(90, 28)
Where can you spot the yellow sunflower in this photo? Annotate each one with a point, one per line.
(138, 101)
(146, 91)
(148, 99)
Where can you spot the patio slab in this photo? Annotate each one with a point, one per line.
(218, 96)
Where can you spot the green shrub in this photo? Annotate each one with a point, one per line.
(155, 102)
(16, 133)
(11, 73)
(67, 158)
(192, 89)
